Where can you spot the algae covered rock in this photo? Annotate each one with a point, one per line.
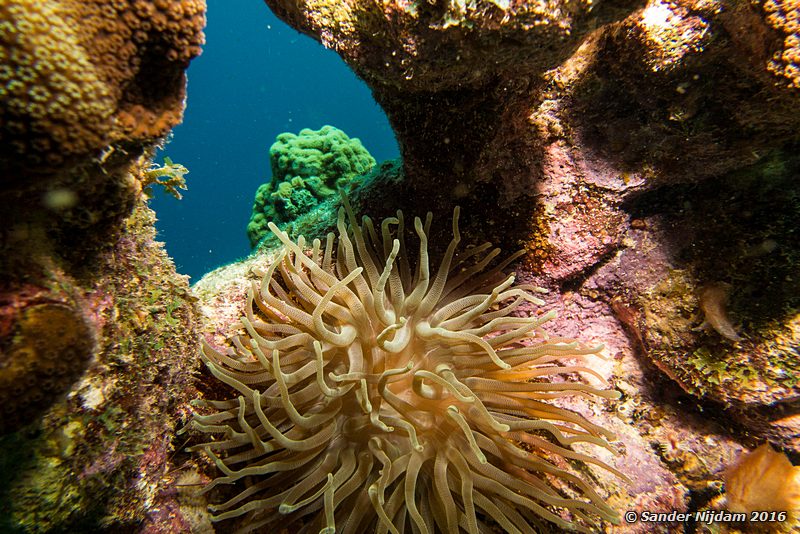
(95, 365)
(45, 345)
(306, 170)
(96, 326)
(644, 154)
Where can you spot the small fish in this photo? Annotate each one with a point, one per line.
(713, 302)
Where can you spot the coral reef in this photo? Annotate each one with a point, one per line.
(644, 155)
(307, 169)
(419, 47)
(387, 395)
(783, 16)
(119, 380)
(642, 152)
(316, 223)
(78, 76)
(742, 354)
(95, 324)
(45, 344)
(479, 100)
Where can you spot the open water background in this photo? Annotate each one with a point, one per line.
(256, 78)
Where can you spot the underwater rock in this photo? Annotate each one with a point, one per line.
(96, 327)
(641, 152)
(425, 47)
(684, 91)
(102, 452)
(476, 92)
(45, 344)
(104, 360)
(709, 290)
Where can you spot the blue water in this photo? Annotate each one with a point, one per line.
(257, 77)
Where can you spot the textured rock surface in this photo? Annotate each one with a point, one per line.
(644, 154)
(96, 327)
(684, 89)
(90, 439)
(47, 345)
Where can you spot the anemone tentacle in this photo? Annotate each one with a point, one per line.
(373, 395)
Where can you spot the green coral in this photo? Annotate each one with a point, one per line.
(306, 170)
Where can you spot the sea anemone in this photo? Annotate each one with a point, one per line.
(377, 397)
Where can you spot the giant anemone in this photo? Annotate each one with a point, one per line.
(377, 396)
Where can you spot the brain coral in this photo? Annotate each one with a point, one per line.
(306, 169)
(376, 397)
(78, 75)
